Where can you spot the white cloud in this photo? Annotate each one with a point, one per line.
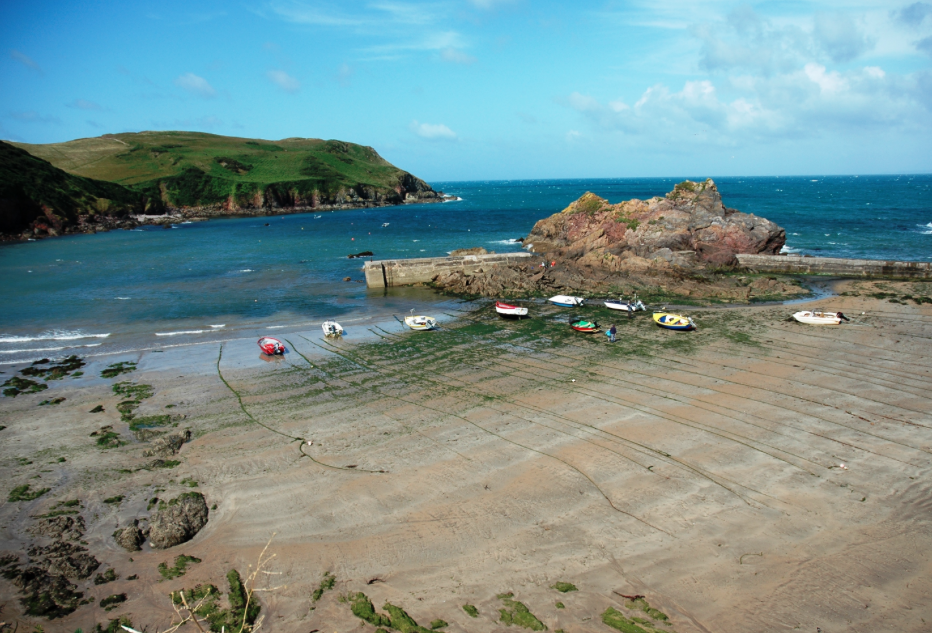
(284, 81)
(31, 116)
(26, 61)
(432, 131)
(196, 85)
(451, 54)
(344, 74)
(83, 104)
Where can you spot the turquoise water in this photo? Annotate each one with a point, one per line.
(206, 281)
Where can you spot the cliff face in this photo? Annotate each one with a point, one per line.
(688, 226)
(198, 174)
(39, 200)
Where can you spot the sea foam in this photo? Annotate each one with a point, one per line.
(54, 335)
(926, 229)
(180, 332)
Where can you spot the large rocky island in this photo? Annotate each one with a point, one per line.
(675, 245)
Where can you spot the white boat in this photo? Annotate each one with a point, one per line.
(420, 322)
(384, 225)
(332, 328)
(505, 309)
(625, 306)
(567, 301)
(820, 318)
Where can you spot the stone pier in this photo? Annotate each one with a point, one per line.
(867, 268)
(404, 272)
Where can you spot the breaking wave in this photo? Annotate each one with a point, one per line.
(54, 335)
(180, 332)
(926, 229)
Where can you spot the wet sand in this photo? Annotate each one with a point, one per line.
(701, 470)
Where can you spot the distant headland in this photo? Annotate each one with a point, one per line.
(101, 183)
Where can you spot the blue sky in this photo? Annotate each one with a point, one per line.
(493, 89)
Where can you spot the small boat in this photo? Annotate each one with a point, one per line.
(332, 328)
(820, 318)
(271, 346)
(384, 225)
(673, 321)
(625, 306)
(505, 309)
(566, 301)
(420, 322)
(589, 327)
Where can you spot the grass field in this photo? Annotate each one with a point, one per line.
(193, 169)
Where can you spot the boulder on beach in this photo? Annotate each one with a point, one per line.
(178, 521)
(689, 226)
(168, 445)
(130, 538)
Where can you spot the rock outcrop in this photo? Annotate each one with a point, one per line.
(668, 246)
(168, 445)
(689, 223)
(178, 521)
(131, 537)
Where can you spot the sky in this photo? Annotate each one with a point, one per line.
(493, 89)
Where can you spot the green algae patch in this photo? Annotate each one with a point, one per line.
(17, 385)
(114, 626)
(204, 600)
(401, 621)
(560, 605)
(181, 566)
(438, 624)
(114, 370)
(641, 604)
(564, 587)
(56, 371)
(23, 493)
(112, 602)
(325, 585)
(363, 609)
(517, 613)
(471, 610)
(617, 620)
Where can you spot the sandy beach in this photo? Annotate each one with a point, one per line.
(754, 475)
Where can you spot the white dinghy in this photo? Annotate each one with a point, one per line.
(421, 322)
(820, 318)
(332, 328)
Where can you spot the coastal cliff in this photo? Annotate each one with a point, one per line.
(40, 200)
(196, 175)
(675, 245)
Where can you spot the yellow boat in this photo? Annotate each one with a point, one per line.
(673, 321)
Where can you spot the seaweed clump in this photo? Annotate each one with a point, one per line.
(517, 613)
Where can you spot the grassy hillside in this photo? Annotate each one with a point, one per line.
(193, 169)
(34, 192)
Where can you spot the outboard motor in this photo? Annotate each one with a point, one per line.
(842, 316)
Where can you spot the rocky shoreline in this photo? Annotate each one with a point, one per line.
(97, 223)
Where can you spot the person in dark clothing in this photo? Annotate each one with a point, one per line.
(613, 331)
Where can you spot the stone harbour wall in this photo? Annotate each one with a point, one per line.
(868, 268)
(404, 272)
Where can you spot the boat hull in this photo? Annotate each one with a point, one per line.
(271, 346)
(332, 328)
(674, 321)
(420, 322)
(586, 327)
(507, 310)
(817, 318)
(567, 301)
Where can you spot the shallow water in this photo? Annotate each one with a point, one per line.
(209, 281)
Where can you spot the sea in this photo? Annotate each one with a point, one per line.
(205, 282)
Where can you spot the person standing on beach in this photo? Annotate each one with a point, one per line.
(613, 331)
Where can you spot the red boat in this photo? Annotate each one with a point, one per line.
(271, 346)
(506, 309)
(589, 327)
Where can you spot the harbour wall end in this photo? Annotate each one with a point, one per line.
(866, 268)
(404, 272)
